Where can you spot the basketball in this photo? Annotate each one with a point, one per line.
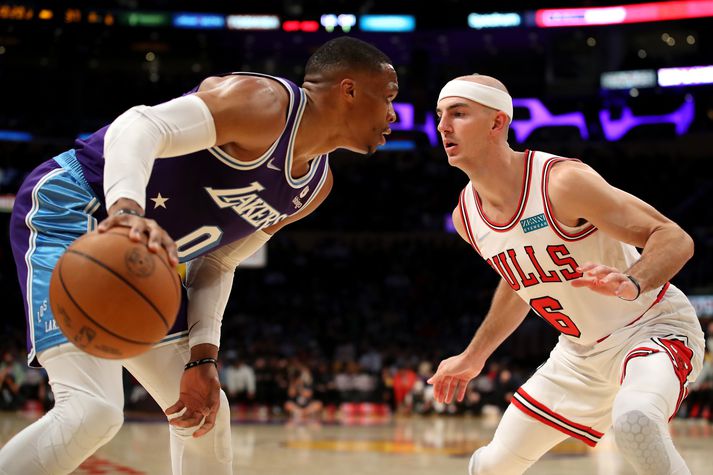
(112, 297)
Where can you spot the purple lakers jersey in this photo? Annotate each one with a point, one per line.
(208, 199)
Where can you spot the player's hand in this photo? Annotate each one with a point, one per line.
(452, 377)
(606, 280)
(200, 397)
(140, 226)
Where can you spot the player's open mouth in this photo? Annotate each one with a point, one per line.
(449, 145)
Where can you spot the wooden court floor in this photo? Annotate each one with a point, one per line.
(404, 446)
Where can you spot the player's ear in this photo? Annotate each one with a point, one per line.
(347, 88)
(501, 121)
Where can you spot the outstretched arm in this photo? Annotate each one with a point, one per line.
(507, 311)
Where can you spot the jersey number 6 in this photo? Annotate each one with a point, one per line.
(546, 307)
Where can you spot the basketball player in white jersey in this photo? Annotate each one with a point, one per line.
(218, 170)
(564, 242)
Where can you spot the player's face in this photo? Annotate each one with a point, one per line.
(464, 126)
(373, 109)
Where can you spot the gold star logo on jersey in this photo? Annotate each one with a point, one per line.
(159, 201)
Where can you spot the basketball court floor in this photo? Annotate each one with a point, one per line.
(403, 446)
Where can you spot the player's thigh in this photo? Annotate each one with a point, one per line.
(159, 370)
(70, 370)
(524, 436)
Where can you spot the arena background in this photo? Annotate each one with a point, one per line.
(367, 295)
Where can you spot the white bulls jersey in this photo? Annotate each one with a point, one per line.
(538, 257)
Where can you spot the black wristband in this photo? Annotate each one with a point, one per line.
(192, 364)
(130, 211)
(636, 284)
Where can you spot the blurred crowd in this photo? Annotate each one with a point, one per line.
(369, 385)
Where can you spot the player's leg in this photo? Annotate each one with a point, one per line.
(53, 207)
(88, 412)
(519, 441)
(159, 371)
(650, 393)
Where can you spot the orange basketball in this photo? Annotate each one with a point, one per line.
(112, 297)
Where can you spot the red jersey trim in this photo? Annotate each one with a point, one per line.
(466, 220)
(548, 206)
(533, 408)
(525, 191)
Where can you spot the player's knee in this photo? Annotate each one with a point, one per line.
(102, 420)
(652, 404)
(641, 441)
(496, 460)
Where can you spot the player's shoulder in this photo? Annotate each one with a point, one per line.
(266, 94)
(570, 179)
(568, 170)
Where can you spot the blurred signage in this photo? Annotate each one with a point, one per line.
(17, 12)
(541, 117)
(494, 20)
(690, 76)
(253, 22)
(308, 26)
(15, 136)
(637, 13)
(641, 78)
(614, 129)
(345, 22)
(199, 21)
(387, 23)
(145, 19)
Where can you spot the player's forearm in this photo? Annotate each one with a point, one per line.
(208, 283)
(507, 311)
(204, 350)
(666, 251)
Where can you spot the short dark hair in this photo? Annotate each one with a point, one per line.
(346, 52)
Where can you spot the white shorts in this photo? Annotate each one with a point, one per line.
(573, 391)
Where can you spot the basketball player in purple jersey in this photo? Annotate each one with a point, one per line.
(223, 167)
(564, 242)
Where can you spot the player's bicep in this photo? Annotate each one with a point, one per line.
(581, 193)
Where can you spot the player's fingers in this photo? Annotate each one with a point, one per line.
(106, 225)
(171, 250)
(177, 407)
(138, 227)
(452, 387)
(189, 419)
(436, 388)
(208, 424)
(613, 278)
(601, 271)
(461, 390)
(586, 266)
(584, 282)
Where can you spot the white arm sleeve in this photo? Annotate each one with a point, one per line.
(140, 135)
(209, 280)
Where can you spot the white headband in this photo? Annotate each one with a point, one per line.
(480, 93)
